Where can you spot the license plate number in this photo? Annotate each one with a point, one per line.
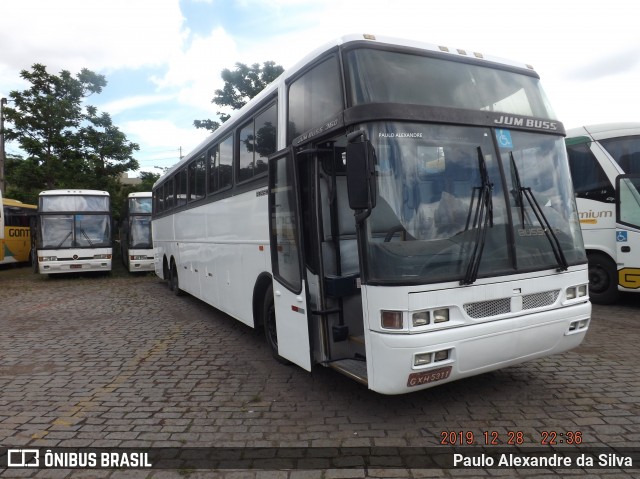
(76, 266)
(426, 377)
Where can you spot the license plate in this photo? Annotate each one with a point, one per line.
(76, 266)
(426, 377)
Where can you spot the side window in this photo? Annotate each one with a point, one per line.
(213, 160)
(589, 179)
(314, 98)
(257, 140)
(197, 179)
(266, 137)
(245, 152)
(169, 188)
(156, 200)
(181, 187)
(225, 174)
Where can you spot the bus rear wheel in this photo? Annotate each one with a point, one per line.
(603, 275)
(174, 282)
(269, 324)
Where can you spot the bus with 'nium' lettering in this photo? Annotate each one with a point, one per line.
(400, 212)
(16, 218)
(136, 246)
(605, 166)
(73, 232)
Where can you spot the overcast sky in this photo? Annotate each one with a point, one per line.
(162, 58)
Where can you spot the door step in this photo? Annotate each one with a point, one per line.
(351, 367)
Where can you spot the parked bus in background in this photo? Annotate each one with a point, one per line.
(400, 212)
(73, 231)
(605, 167)
(15, 231)
(136, 245)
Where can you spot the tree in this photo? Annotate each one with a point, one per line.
(147, 180)
(66, 146)
(240, 86)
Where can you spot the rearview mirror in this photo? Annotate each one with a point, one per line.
(361, 178)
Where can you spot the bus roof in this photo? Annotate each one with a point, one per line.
(74, 192)
(140, 194)
(9, 202)
(603, 131)
(309, 58)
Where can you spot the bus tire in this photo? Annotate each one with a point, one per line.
(603, 279)
(34, 261)
(174, 281)
(269, 325)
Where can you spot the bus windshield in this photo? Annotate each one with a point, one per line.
(378, 76)
(71, 231)
(431, 178)
(625, 151)
(140, 232)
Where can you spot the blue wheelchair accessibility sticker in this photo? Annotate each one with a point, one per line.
(504, 138)
(621, 236)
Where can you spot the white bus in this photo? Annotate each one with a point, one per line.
(605, 167)
(400, 212)
(73, 232)
(136, 246)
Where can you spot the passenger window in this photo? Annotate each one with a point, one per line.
(257, 140)
(197, 178)
(181, 187)
(314, 98)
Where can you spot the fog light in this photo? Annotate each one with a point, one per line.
(420, 319)
(440, 315)
(421, 359)
(571, 293)
(391, 319)
(442, 355)
(583, 323)
(582, 290)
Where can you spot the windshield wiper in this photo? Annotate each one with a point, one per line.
(84, 233)
(525, 192)
(65, 239)
(483, 218)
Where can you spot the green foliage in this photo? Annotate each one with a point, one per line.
(240, 86)
(66, 145)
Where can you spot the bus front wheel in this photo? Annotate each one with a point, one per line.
(603, 275)
(269, 324)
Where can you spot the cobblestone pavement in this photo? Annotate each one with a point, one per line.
(120, 362)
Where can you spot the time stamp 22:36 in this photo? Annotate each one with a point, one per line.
(515, 438)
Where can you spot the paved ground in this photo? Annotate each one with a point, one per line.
(120, 362)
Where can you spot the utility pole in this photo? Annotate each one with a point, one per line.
(3, 102)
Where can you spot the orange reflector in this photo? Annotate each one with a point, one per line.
(261, 248)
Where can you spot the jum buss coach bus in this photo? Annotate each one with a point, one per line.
(400, 212)
(73, 232)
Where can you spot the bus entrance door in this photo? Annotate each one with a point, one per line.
(289, 291)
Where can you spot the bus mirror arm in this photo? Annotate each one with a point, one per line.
(361, 178)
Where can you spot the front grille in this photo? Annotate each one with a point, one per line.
(539, 300)
(485, 309)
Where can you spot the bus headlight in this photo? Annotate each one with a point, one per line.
(579, 291)
(421, 318)
(47, 258)
(391, 319)
(441, 315)
(101, 256)
(138, 257)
